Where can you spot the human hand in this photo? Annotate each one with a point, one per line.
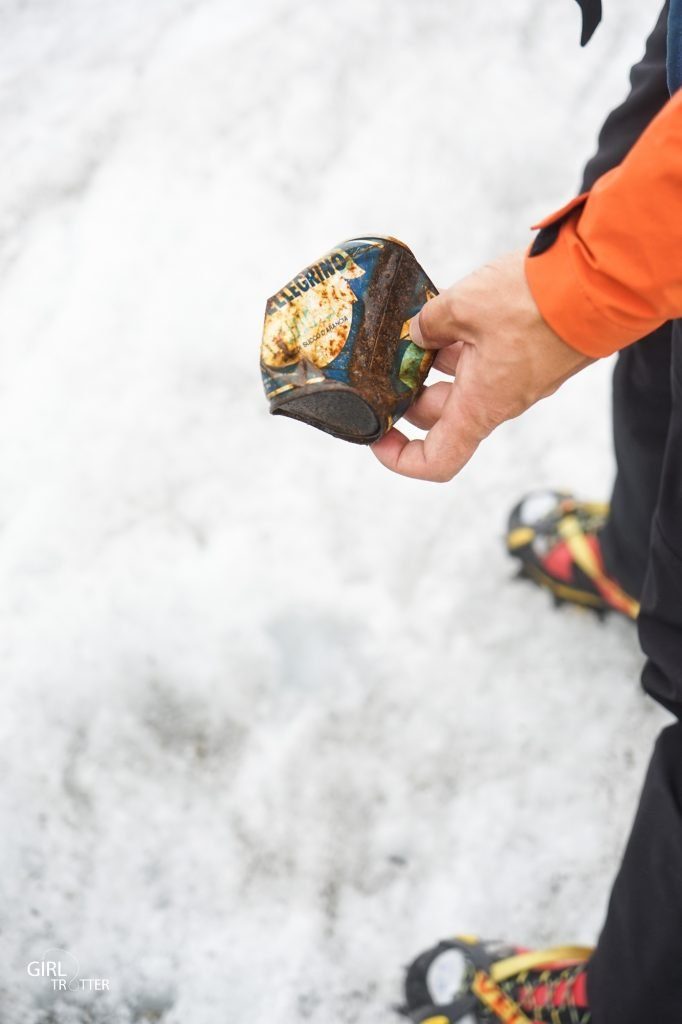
(503, 356)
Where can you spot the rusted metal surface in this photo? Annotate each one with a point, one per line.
(336, 351)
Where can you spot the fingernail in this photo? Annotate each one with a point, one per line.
(415, 331)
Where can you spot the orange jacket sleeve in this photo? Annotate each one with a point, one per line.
(613, 273)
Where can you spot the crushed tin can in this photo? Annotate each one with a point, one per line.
(336, 350)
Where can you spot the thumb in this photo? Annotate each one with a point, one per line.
(436, 325)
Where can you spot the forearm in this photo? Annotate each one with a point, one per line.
(613, 273)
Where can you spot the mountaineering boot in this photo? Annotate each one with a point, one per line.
(556, 540)
(464, 981)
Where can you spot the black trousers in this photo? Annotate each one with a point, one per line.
(635, 975)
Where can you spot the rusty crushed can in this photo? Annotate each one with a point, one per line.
(336, 351)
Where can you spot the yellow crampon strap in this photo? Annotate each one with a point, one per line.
(503, 970)
(570, 531)
(491, 995)
(486, 986)
(519, 537)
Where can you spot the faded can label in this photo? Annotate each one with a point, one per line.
(310, 319)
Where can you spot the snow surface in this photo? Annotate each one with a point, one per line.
(274, 720)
